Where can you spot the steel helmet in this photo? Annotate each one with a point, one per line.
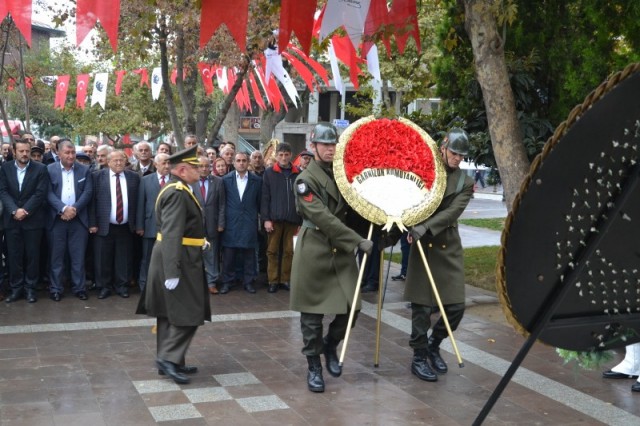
(324, 133)
(457, 141)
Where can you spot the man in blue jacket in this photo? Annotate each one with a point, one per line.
(281, 221)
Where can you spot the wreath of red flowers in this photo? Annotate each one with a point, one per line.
(388, 144)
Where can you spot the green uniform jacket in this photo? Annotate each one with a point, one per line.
(443, 248)
(324, 270)
(178, 215)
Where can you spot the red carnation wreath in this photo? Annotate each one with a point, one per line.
(389, 171)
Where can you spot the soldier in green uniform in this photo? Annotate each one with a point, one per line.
(324, 270)
(441, 242)
(176, 290)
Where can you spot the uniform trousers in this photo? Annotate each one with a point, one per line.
(421, 321)
(173, 340)
(281, 236)
(312, 335)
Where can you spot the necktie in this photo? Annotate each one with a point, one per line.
(203, 190)
(161, 181)
(119, 203)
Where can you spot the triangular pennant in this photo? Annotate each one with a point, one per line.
(317, 67)
(20, 11)
(404, 16)
(347, 54)
(296, 16)
(89, 11)
(215, 12)
(377, 18)
(257, 95)
(335, 69)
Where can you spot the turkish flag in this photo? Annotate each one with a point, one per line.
(216, 12)
(119, 77)
(20, 11)
(82, 81)
(206, 74)
(89, 11)
(62, 85)
(296, 15)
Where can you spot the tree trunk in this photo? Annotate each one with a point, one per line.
(491, 71)
(268, 121)
(231, 124)
(185, 84)
(166, 85)
(226, 104)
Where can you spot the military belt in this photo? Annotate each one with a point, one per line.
(186, 241)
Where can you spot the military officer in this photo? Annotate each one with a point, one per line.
(324, 270)
(176, 291)
(441, 241)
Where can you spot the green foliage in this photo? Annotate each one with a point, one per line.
(589, 360)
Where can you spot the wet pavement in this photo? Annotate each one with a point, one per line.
(92, 363)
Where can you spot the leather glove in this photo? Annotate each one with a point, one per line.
(366, 246)
(171, 283)
(418, 231)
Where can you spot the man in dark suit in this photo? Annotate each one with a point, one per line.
(177, 292)
(112, 218)
(69, 197)
(211, 196)
(150, 187)
(23, 189)
(52, 155)
(240, 236)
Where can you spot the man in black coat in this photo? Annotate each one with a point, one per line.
(281, 220)
(176, 293)
(112, 218)
(23, 189)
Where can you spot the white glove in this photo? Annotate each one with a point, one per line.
(171, 283)
(206, 246)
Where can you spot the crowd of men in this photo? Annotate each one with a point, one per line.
(75, 220)
(69, 217)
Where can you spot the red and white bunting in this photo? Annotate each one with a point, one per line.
(296, 16)
(100, 84)
(216, 12)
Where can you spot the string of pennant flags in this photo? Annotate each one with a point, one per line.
(360, 19)
(258, 85)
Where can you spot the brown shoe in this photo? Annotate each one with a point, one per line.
(213, 290)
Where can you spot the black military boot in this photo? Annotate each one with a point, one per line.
(315, 382)
(433, 353)
(331, 357)
(420, 367)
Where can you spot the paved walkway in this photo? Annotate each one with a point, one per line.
(91, 363)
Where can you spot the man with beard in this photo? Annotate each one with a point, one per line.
(23, 191)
